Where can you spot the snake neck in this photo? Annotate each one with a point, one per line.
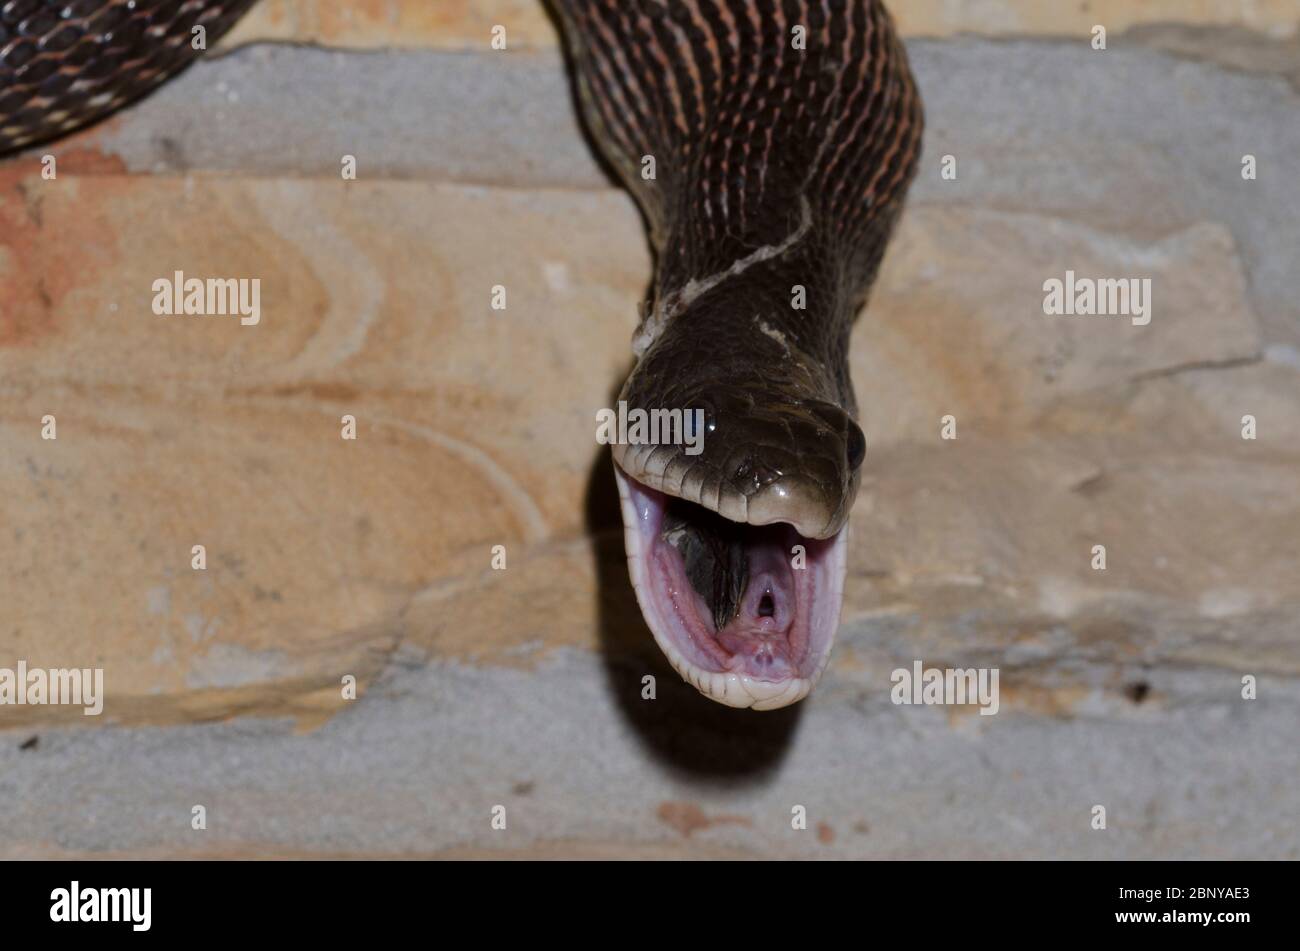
(770, 147)
(788, 308)
(746, 129)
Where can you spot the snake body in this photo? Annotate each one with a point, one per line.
(781, 137)
(770, 144)
(64, 63)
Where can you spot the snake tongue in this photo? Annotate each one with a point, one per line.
(713, 556)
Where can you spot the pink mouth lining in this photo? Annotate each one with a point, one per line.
(788, 614)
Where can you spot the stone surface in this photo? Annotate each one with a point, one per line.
(476, 428)
(467, 24)
(398, 24)
(1154, 147)
(177, 431)
(416, 767)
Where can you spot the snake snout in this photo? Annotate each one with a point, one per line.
(799, 501)
(765, 455)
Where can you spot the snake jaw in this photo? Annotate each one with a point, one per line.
(773, 653)
(755, 492)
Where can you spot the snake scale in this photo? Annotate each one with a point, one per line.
(770, 144)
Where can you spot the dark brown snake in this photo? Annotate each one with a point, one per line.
(770, 144)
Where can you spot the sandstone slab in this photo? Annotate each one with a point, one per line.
(476, 428)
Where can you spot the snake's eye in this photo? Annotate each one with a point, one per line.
(699, 422)
(856, 445)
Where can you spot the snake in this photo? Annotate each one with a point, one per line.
(770, 145)
(67, 63)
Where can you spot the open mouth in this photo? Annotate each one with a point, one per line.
(745, 613)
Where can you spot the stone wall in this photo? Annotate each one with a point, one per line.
(462, 24)
(371, 558)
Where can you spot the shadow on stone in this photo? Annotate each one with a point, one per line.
(683, 729)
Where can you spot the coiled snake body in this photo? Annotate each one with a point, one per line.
(64, 63)
(770, 144)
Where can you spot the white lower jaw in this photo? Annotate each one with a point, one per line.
(732, 689)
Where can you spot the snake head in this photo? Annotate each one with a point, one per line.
(736, 532)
